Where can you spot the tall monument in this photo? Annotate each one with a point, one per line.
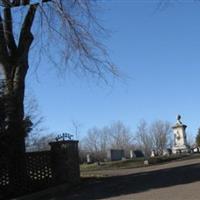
(180, 140)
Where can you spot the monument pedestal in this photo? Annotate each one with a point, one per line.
(180, 149)
(180, 140)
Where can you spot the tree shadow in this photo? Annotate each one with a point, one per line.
(99, 188)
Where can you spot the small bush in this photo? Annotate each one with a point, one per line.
(163, 159)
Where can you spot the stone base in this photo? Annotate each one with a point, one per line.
(180, 149)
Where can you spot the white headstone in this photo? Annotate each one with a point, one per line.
(146, 162)
(153, 153)
(88, 158)
(132, 155)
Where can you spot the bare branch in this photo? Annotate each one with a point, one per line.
(3, 49)
(75, 29)
(8, 31)
(17, 3)
(26, 36)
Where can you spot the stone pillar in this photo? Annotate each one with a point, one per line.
(65, 161)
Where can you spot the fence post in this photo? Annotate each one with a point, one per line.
(65, 160)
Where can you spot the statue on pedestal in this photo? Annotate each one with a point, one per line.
(180, 142)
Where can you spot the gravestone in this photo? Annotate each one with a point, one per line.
(115, 154)
(88, 159)
(136, 154)
(154, 153)
(167, 152)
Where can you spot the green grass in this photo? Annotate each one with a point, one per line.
(137, 162)
(113, 165)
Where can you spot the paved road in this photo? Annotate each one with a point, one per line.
(172, 181)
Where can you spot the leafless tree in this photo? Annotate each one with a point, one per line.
(68, 28)
(99, 140)
(92, 143)
(191, 140)
(143, 138)
(41, 143)
(36, 120)
(161, 133)
(76, 125)
(156, 136)
(105, 140)
(121, 136)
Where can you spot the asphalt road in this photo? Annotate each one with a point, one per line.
(179, 180)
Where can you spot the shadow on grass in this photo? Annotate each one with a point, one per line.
(105, 187)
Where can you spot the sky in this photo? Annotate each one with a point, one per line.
(157, 50)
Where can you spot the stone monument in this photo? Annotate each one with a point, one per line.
(180, 140)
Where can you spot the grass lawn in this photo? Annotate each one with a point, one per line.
(113, 165)
(133, 163)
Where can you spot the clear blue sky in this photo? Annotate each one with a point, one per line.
(158, 50)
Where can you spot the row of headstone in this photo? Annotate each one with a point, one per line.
(116, 155)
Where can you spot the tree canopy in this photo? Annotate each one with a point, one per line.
(66, 32)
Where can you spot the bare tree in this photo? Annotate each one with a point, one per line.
(41, 143)
(143, 138)
(69, 28)
(99, 140)
(121, 137)
(105, 140)
(92, 142)
(191, 140)
(155, 136)
(35, 122)
(161, 134)
(76, 125)
(197, 139)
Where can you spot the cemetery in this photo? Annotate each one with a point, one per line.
(61, 164)
(116, 158)
(142, 73)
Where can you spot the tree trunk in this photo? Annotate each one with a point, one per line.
(15, 130)
(14, 62)
(14, 108)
